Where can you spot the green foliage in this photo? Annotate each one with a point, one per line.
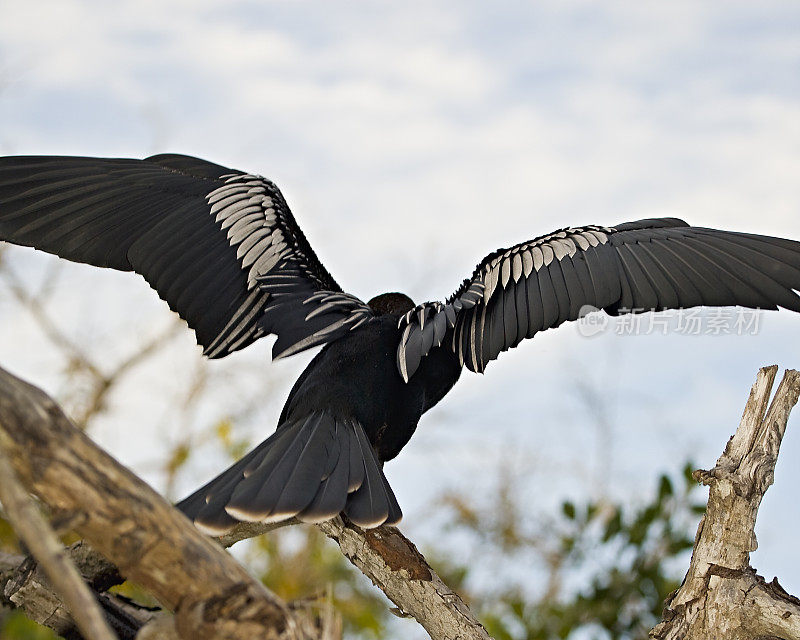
(302, 564)
(626, 558)
(8, 541)
(15, 626)
(234, 448)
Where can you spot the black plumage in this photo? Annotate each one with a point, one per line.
(223, 249)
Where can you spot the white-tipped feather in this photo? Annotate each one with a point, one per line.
(243, 515)
(211, 530)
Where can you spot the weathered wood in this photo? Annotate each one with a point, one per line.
(23, 585)
(721, 595)
(393, 563)
(396, 567)
(384, 555)
(41, 540)
(124, 519)
(90, 478)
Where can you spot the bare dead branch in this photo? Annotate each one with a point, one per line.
(37, 535)
(102, 382)
(124, 519)
(394, 565)
(9, 562)
(161, 627)
(722, 596)
(26, 588)
(105, 382)
(23, 585)
(47, 325)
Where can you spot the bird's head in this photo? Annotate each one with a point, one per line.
(391, 303)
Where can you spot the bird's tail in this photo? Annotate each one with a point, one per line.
(312, 468)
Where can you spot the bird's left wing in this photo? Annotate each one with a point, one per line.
(220, 246)
(633, 267)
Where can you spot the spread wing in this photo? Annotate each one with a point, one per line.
(637, 266)
(220, 246)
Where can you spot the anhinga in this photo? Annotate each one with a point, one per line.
(223, 249)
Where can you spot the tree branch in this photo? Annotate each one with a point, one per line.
(722, 596)
(393, 564)
(23, 585)
(40, 539)
(102, 383)
(385, 556)
(124, 519)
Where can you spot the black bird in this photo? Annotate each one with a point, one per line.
(223, 249)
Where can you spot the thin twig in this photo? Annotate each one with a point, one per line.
(43, 320)
(104, 383)
(36, 533)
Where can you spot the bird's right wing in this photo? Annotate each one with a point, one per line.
(633, 267)
(220, 246)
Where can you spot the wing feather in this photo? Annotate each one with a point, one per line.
(637, 266)
(643, 296)
(686, 291)
(560, 288)
(509, 315)
(668, 297)
(535, 316)
(549, 299)
(220, 246)
(584, 277)
(521, 293)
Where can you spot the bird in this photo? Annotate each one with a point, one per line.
(223, 249)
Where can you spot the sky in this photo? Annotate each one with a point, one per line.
(413, 139)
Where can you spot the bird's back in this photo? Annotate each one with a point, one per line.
(357, 377)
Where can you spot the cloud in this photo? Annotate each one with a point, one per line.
(413, 139)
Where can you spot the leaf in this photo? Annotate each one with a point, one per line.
(664, 488)
(613, 526)
(223, 430)
(180, 454)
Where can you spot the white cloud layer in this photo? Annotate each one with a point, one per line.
(412, 139)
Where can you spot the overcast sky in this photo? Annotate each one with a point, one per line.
(411, 139)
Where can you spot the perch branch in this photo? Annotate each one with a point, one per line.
(385, 556)
(721, 595)
(125, 520)
(393, 564)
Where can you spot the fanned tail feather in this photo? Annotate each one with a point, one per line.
(311, 468)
